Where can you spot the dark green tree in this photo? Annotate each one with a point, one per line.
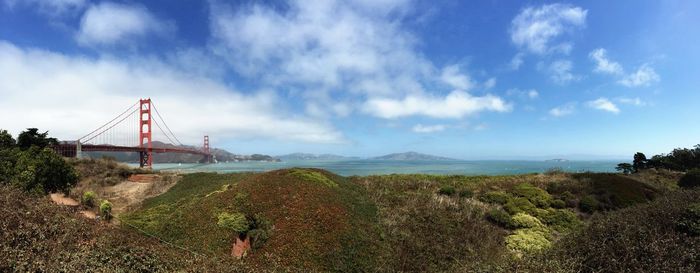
(6, 140)
(32, 137)
(625, 168)
(640, 162)
(43, 171)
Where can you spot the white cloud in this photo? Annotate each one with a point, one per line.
(603, 64)
(452, 76)
(632, 101)
(419, 128)
(644, 76)
(533, 94)
(517, 61)
(111, 23)
(563, 110)
(456, 105)
(534, 29)
(490, 83)
(50, 7)
(357, 48)
(529, 94)
(604, 104)
(71, 96)
(560, 72)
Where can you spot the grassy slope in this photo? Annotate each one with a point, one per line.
(320, 220)
(38, 236)
(376, 223)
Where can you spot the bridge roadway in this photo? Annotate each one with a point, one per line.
(69, 149)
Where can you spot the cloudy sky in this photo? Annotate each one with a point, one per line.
(465, 79)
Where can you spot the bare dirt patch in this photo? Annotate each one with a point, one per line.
(128, 194)
(61, 199)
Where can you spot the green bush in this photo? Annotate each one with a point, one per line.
(589, 204)
(260, 229)
(569, 198)
(529, 240)
(495, 197)
(691, 179)
(106, 209)
(518, 205)
(558, 204)
(88, 199)
(562, 220)
(500, 217)
(447, 190)
(43, 171)
(522, 220)
(535, 195)
(689, 222)
(233, 221)
(466, 193)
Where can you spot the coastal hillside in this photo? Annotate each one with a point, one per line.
(307, 156)
(410, 156)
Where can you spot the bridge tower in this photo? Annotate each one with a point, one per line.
(210, 157)
(145, 134)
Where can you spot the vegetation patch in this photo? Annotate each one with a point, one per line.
(310, 175)
(529, 240)
(691, 179)
(689, 221)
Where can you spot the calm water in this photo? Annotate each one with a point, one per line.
(370, 167)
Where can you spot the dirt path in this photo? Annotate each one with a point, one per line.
(61, 199)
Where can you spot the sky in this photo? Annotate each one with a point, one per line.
(463, 79)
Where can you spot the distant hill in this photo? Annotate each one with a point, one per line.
(221, 155)
(410, 156)
(307, 156)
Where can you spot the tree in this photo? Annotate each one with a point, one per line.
(43, 171)
(6, 140)
(32, 137)
(640, 162)
(625, 168)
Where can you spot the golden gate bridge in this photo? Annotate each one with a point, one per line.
(131, 131)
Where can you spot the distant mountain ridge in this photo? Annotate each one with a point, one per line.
(411, 156)
(309, 156)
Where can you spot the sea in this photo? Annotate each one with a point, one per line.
(380, 167)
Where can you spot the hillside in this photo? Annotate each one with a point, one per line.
(307, 156)
(303, 218)
(410, 156)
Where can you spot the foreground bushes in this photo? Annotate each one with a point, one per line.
(690, 180)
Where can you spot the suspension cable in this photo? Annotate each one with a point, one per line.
(161, 130)
(115, 118)
(166, 125)
(110, 127)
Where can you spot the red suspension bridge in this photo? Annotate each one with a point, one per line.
(131, 131)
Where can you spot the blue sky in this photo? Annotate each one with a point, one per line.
(465, 79)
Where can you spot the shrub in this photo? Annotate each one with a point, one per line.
(558, 204)
(495, 197)
(500, 217)
(589, 204)
(313, 176)
(522, 220)
(562, 220)
(88, 199)
(528, 240)
(518, 205)
(569, 198)
(689, 222)
(43, 171)
(106, 209)
(233, 221)
(466, 193)
(260, 229)
(446, 190)
(691, 179)
(535, 195)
